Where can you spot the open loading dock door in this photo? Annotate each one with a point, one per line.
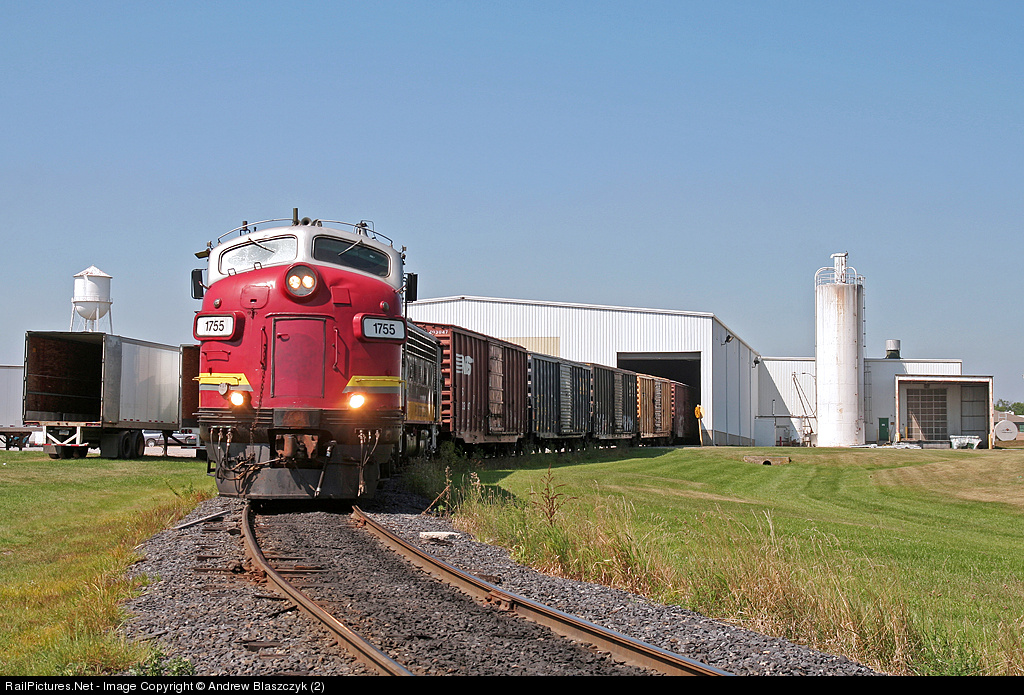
(683, 367)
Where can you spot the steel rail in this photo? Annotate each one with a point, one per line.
(620, 646)
(356, 645)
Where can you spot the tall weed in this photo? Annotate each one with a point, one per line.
(804, 587)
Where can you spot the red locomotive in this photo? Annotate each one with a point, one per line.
(300, 372)
(310, 378)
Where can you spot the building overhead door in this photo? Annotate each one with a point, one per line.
(974, 410)
(926, 414)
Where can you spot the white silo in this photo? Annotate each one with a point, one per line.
(839, 354)
(91, 300)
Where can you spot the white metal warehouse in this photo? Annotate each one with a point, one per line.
(839, 397)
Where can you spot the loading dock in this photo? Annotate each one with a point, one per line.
(930, 410)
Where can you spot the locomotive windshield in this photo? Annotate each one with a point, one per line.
(351, 254)
(265, 252)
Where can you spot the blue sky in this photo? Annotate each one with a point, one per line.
(706, 156)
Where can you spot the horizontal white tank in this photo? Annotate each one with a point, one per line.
(839, 354)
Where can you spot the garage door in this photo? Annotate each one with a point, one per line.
(926, 413)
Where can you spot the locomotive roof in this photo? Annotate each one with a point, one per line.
(361, 234)
(362, 230)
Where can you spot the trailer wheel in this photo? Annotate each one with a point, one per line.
(80, 452)
(124, 445)
(140, 444)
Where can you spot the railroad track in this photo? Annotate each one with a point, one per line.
(636, 655)
(360, 648)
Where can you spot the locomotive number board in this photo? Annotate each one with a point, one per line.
(218, 326)
(377, 328)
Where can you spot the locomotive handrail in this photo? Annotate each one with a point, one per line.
(246, 226)
(360, 228)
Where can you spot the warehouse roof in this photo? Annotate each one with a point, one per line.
(593, 307)
(544, 302)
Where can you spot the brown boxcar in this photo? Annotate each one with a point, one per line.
(559, 392)
(654, 409)
(684, 420)
(483, 396)
(614, 408)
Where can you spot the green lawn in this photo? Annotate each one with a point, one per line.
(920, 548)
(910, 560)
(68, 529)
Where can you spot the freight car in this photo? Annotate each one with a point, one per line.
(654, 409)
(559, 398)
(615, 404)
(685, 426)
(569, 405)
(484, 391)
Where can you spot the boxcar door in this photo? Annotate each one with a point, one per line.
(496, 384)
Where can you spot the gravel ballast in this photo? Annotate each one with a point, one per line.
(203, 608)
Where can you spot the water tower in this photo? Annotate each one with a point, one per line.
(91, 300)
(839, 353)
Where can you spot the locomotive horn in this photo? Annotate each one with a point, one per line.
(295, 217)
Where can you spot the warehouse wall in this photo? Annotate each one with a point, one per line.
(880, 382)
(788, 385)
(786, 401)
(601, 334)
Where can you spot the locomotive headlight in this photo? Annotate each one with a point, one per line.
(239, 399)
(301, 281)
(357, 400)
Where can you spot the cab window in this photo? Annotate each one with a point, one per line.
(351, 254)
(249, 253)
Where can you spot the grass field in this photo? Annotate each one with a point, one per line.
(908, 560)
(68, 529)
